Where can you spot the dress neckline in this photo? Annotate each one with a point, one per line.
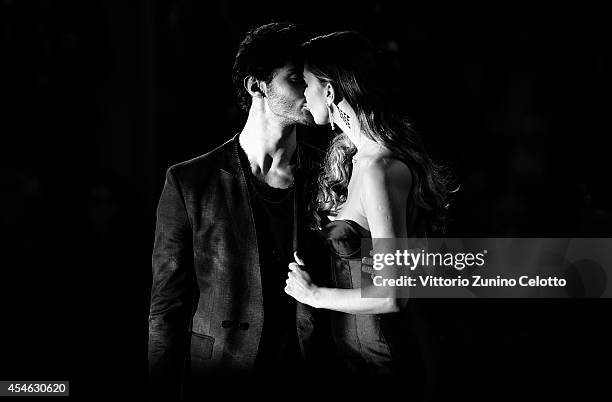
(360, 230)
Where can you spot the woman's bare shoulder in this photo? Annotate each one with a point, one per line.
(384, 168)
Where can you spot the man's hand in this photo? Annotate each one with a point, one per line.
(367, 265)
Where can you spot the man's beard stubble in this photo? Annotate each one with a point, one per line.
(288, 110)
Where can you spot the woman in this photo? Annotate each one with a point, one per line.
(377, 182)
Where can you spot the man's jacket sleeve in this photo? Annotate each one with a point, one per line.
(171, 294)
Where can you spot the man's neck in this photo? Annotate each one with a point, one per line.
(268, 145)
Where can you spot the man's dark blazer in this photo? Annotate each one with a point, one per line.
(206, 311)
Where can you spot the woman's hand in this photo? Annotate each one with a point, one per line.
(299, 285)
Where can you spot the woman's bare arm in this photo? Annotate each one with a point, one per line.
(384, 191)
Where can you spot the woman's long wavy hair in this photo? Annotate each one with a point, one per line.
(349, 62)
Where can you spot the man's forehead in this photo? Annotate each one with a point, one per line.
(290, 67)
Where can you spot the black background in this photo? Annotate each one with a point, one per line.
(99, 98)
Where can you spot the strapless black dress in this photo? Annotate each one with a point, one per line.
(368, 344)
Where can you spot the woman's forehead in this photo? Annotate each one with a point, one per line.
(307, 72)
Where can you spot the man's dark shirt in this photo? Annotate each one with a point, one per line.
(273, 210)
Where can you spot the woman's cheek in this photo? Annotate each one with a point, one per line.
(307, 96)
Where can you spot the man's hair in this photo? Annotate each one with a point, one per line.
(263, 50)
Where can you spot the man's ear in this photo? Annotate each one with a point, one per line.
(330, 93)
(253, 86)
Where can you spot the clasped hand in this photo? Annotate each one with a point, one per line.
(299, 284)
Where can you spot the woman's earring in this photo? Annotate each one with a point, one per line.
(345, 117)
(331, 116)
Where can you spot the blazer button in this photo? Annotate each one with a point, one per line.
(227, 324)
(243, 326)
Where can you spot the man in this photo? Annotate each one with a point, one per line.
(228, 223)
